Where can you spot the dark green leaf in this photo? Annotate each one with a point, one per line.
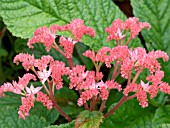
(3, 52)
(162, 115)
(9, 119)
(66, 96)
(23, 16)
(80, 49)
(40, 111)
(72, 110)
(67, 125)
(159, 100)
(10, 99)
(130, 115)
(156, 13)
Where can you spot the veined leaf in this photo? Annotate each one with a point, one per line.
(162, 115)
(156, 13)
(130, 115)
(9, 119)
(40, 111)
(22, 17)
(88, 119)
(10, 99)
(70, 96)
(67, 125)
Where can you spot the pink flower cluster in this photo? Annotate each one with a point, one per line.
(68, 45)
(128, 59)
(27, 104)
(17, 87)
(139, 59)
(44, 99)
(118, 29)
(140, 93)
(22, 89)
(26, 59)
(58, 69)
(108, 55)
(43, 35)
(87, 82)
(78, 29)
(47, 36)
(142, 89)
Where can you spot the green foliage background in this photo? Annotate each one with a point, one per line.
(22, 17)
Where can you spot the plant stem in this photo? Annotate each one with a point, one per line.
(118, 72)
(137, 75)
(55, 46)
(102, 106)
(92, 104)
(56, 106)
(124, 99)
(70, 62)
(128, 41)
(129, 78)
(115, 71)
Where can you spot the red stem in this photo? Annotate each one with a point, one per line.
(92, 104)
(70, 62)
(102, 106)
(137, 75)
(85, 104)
(128, 41)
(56, 106)
(115, 71)
(124, 99)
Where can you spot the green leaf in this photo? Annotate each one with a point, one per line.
(72, 110)
(10, 99)
(20, 45)
(3, 52)
(69, 97)
(162, 115)
(88, 119)
(40, 111)
(159, 100)
(159, 120)
(9, 119)
(23, 16)
(67, 125)
(157, 14)
(114, 96)
(130, 115)
(78, 52)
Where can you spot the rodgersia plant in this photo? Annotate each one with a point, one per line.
(89, 84)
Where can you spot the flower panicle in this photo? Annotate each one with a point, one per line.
(118, 29)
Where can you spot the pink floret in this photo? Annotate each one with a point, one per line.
(26, 59)
(44, 99)
(27, 104)
(43, 35)
(78, 29)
